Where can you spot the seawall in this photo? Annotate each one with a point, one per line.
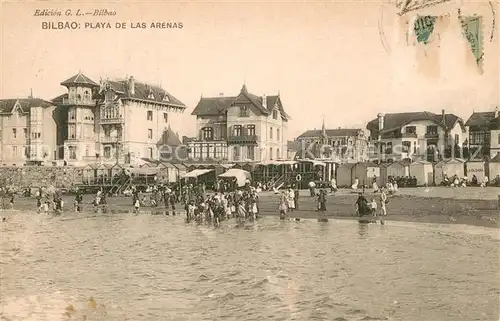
(38, 176)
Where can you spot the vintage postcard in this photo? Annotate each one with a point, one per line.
(250, 160)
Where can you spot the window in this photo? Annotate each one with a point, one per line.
(150, 115)
(414, 147)
(166, 98)
(236, 152)
(270, 153)
(14, 132)
(275, 114)
(208, 133)
(107, 132)
(410, 129)
(86, 95)
(14, 151)
(277, 134)
(165, 117)
(244, 111)
(150, 134)
(237, 131)
(72, 131)
(270, 133)
(251, 130)
(432, 130)
(457, 139)
(25, 132)
(150, 152)
(72, 152)
(278, 155)
(72, 114)
(251, 152)
(389, 149)
(406, 147)
(479, 138)
(107, 152)
(110, 95)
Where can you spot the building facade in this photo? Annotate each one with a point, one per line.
(27, 132)
(483, 128)
(342, 145)
(116, 120)
(240, 128)
(416, 136)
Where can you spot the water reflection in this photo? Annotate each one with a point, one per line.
(363, 230)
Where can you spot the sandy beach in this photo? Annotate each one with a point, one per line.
(471, 206)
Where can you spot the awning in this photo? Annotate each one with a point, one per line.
(198, 172)
(241, 175)
(143, 171)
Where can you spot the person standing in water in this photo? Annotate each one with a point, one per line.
(383, 202)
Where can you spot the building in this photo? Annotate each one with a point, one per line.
(27, 131)
(245, 127)
(344, 145)
(115, 120)
(292, 149)
(417, 136)
(483, 129)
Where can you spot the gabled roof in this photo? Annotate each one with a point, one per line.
(213, 106)
(80, 79)
(480, 118)
(494, 124)
(340, 132)
(142, 91)
(169, 138)
(7, 105)
(397, 120)
(495, 159)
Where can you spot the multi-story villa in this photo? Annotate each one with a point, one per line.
(245, 127)
(417, 135)
(344, 145)
(484, 139)
(120, 120)
(27, 131)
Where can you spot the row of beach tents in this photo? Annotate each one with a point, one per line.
(426, 173)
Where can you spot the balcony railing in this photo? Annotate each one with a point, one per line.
(409, 135)
(111, 139)
(235, 139)
(431, 135)
(114, 120)
(79, 101)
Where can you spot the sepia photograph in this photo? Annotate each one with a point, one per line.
(250, 160)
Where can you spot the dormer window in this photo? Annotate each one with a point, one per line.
(275, 114)
(244, 111)
(150, 93)
(166, 98)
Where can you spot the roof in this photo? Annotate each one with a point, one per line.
(480, 118)
(398, 120)
(80, 79)
(213, 106)
(495, 159)
(339, 132)
(169, 138)
(495, 124)
(142, 91)
(7, 105)
(293, 146)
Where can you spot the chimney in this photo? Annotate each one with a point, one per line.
(496, 112)
(380, 121)
(264, 101)
(443, 117)
(131, 85)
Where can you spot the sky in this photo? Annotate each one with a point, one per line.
(344, 61)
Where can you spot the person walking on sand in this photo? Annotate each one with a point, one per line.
(383, 202)
(312, 186)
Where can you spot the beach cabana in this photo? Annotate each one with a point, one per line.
(450, 168)
(494, 167)
(94, 173)
(200, 174)
(423, 172)
(365, 173)
(478, 168)
(241, 176)
(168, 173)
(344, 175)
(395, 169)
(181, 170)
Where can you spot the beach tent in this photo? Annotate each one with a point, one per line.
(450, 167)
(197, 173)
(365, 172)
(168, 173)
(92, 172)
(241, 176)
(344, 175)
(423, 172)
(494, 167)
(478, 168)
(181, 169)
(395, 169)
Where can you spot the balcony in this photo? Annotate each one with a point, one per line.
(431, 135)
(112, 120)
(242, 139)
(111, 139)
(78, 101)
(409, 135)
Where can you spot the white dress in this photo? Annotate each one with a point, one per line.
(291, 199)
